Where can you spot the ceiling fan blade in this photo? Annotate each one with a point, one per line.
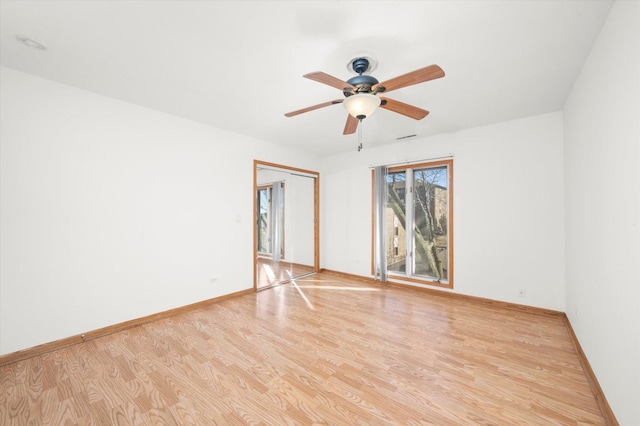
(311, 108)
(404, 109)
(418, 76)
(351, 126)
(329, 80)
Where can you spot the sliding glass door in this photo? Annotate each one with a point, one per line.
(418, 222)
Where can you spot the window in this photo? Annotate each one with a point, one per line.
(418, 240)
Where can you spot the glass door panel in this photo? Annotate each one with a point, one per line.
(430, 213)
(396, 222)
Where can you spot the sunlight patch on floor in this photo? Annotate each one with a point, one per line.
(304, 297)
(270, 275)
(334, 287)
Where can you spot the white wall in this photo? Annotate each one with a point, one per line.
(602, 176)
(508, 208)
(110, 211)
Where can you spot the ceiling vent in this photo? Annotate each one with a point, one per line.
(406, 137)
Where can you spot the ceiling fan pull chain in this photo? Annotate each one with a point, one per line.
(360, 136)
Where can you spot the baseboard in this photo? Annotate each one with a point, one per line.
(94, 334)
(601, 400)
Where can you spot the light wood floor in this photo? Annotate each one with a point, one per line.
(322, 350)
(270, 273)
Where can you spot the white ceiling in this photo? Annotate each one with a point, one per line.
(238, 65)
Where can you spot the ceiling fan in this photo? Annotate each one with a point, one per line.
(361, 92)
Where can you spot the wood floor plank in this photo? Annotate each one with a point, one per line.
(347, 353)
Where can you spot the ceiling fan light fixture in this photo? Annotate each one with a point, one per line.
(361, 105)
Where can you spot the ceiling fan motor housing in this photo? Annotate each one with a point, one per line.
(362, 83)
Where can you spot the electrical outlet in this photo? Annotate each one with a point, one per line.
(522, 292)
